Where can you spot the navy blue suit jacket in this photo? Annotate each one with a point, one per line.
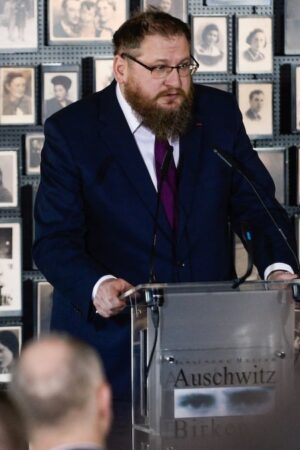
(96, 205)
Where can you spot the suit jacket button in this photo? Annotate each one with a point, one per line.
(181, 263)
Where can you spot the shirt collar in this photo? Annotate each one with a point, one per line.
(133, 120)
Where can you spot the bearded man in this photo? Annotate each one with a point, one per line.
(95, 208)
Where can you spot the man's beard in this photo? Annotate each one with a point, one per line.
(164, 123)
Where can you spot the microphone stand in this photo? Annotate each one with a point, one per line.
(233, 164)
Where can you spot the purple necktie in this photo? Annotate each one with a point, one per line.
(168, 187)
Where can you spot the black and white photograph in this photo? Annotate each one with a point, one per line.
(297, 175)
(238, 2)
(44, 293)
(85, 21)
(10, 267)
(103, 73)
(256, 104)
(10, 347)
(295, 97)
(33, 147)
(209, 36)
(60, 88)
(18, 26)
(254, 44)
(17, 95)
(292, 27)
(8, 178)
(177, 8)
(274, 160)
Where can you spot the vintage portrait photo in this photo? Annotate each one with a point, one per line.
(238, 2)
(292, 27)
(44, 292)
(274, 160)
(177, 8)
(33, 147)
(18, 26)
(60, 88)
(103, 73)
(256, 104)
(8, 178)
(254, 45)
(17, 102)
(209, 36)
(82, 21)
(295, 97)
(10, 267)
(10, 347)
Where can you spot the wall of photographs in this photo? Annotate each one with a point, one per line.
(51, 56)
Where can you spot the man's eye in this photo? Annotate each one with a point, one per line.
(159, 68)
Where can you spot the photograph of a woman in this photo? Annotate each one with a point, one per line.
(210, 43)
(254, 45)
(17, 95)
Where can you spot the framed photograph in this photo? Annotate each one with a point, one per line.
(82, 22)
(256, 104)
(295, 97)
(44, 293)
(10, 267)
(238, 2)
(292, 27)
(254, 44)
(297, 159)
(274, 160)
(60, 88)
(177, 8)
(18, 26)
(103, 73)
(210, 48)
(10, 348)
(33, 147)
(241, 260)
(9, 197)
(17, 95)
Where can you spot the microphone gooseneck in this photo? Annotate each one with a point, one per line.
(231, 162)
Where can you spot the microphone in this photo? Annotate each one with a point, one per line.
(234, 164)
(164, 169)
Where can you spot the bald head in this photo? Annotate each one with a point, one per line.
(56, 380)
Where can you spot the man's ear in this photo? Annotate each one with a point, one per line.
(120, 67)
(104, 398)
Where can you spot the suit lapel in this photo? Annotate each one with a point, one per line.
(115, 132)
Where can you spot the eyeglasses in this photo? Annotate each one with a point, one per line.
(162, 71)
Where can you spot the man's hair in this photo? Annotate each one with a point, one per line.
(49, 397)
(255, 92)
(131, 33)
(12, 432)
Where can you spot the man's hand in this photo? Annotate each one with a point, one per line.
(281, 275)
(106, 301)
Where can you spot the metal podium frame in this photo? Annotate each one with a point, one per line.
(219, 358)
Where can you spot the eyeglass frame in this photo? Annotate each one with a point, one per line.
(192, 71)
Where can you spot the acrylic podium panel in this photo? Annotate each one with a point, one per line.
(223, 361)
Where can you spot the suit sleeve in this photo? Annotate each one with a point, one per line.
(270, 245)
(59, 248)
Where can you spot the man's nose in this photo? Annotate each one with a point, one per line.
(173, 78)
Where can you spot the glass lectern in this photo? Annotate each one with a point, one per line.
(212, 366)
